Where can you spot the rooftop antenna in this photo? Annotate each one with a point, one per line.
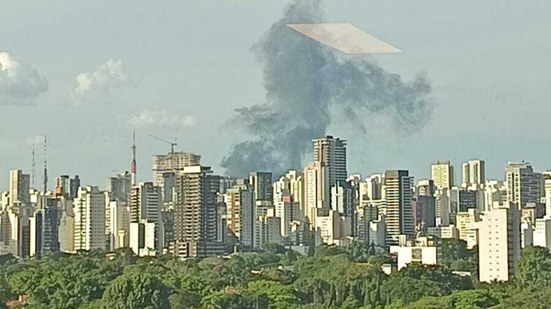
(33, 164)
(133, 167)
(45, 164)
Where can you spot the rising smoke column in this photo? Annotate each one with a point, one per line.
(303, 80)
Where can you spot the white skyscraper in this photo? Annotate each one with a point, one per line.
(499, 242)
(474, 173)
(89, 220)
(316, 189)
(118, 224)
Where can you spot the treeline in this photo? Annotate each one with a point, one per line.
(332, 277)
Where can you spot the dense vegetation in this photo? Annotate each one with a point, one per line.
(332, 277)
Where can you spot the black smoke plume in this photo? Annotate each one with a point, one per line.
(303, 80)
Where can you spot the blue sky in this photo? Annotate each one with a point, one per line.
(190, 64)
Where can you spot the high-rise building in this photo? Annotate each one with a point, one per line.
(499, 242)
(19, 187)
(425, 212)
(118, 224)
(374, 187)
(443, 207)
(425, 187)
(542, 233)
(343, 199)
(172, 163)
(119, 187)
(262, 186)
(292, 183)
(547, 190)
(365, 215)
(89, 220)
(399, 212)
(62, 186)
(286, 210)
(66, 233)
(494, 191)
(267, 229)
(523, 185)
(44, 229)
(474, 173)
(442, 174)
(241, 212)
(316, 189)
(331, 152)
(463, 199)
(196, 212)
(74, 184)
(146, 229)
(467, 226)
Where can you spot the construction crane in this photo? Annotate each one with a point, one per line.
(172, 144)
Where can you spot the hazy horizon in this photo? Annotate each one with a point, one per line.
(92, 71)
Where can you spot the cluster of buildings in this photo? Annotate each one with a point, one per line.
(189, 212)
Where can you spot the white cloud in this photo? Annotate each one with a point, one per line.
(161, 118)
(19, 81)
(100, 83)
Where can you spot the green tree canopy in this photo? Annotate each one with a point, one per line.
(136, 290)
(534, 267)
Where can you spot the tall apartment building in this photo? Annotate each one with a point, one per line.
(119, 186)
(343, 198)
(74, 184)
(442, 174)
(62, 186)
(241, 212)
(331, 151)
(494, 191)
(316, 189)
(146, 228)
(168, 163)
(523, 185)
(89, 219)
(292, 183)
(374, 187)
(262, 186)
(19, 187)
(542, 233)
(267, 229)
(399, 212)
(425, 187)
(196, 213)
(425, 212)
(499, 242)
(118, 224)
(474, 173)
(44, 229)
(467, 226)
(547, 190)
(286, 210)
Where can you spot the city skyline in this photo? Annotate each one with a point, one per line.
(256, 154)
(148, 173)
(498, 94)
